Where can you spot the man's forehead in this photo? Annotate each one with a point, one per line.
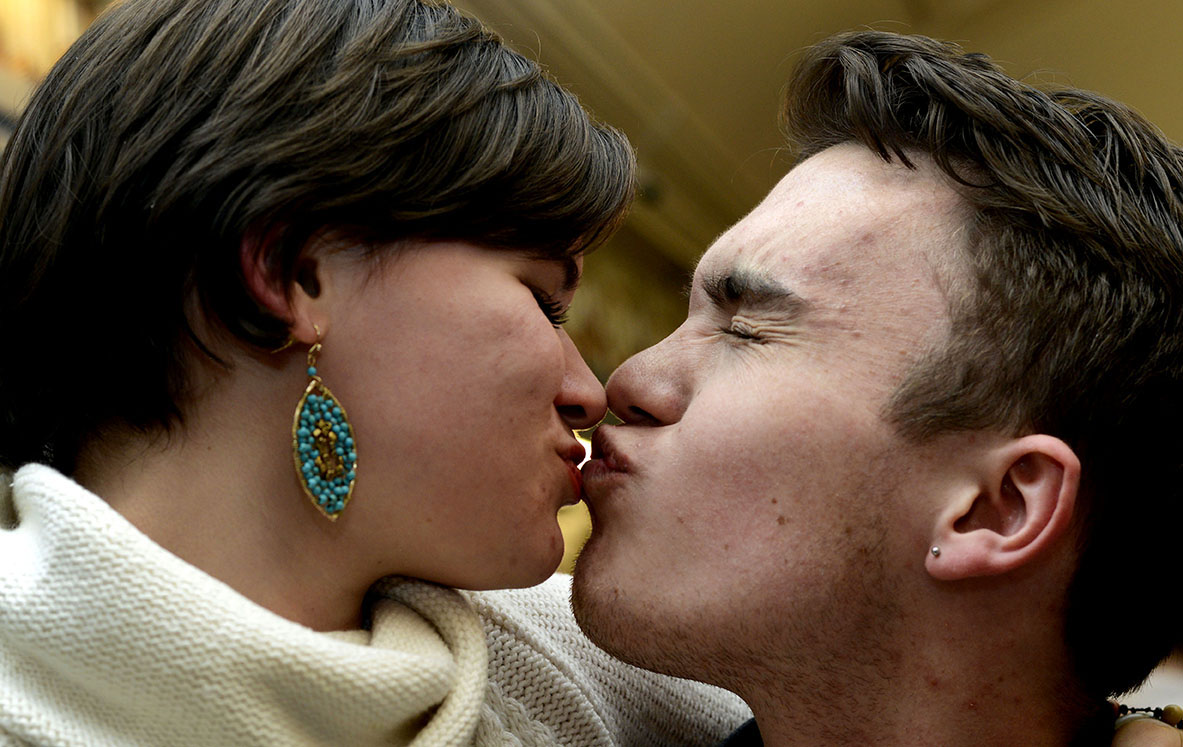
(838, 214)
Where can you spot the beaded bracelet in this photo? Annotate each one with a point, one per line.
(1171, 715)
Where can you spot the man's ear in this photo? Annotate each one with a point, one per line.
(1021, 506)
(293, 305)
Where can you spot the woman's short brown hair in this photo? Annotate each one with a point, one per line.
(174, 128)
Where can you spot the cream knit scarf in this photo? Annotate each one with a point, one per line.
(108, 639)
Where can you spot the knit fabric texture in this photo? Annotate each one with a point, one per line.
(108, 639)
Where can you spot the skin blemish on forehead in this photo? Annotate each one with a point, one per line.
(781, 520)
(830, 268)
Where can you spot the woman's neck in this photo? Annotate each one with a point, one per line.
(220, 493)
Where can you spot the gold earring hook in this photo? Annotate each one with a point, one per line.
(314, 351)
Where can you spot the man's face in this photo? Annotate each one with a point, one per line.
(755, 500)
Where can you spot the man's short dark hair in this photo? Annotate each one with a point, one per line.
(173, 128)
(1070, 323)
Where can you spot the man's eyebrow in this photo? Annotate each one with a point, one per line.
(740, 287)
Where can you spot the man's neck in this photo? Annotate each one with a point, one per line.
(999, 692)
(1001, 720)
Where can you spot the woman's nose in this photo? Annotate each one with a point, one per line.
(581, 401)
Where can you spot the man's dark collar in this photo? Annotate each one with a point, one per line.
(747, 735)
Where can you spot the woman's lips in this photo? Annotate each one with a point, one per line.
(574, 457)
(576, 484)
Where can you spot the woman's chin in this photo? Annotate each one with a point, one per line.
(522, 567)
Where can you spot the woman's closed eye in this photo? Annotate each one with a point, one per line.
(554, 310)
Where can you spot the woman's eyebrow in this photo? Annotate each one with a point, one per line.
(751, 289)
(571, 274)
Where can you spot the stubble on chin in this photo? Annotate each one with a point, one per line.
(846, 627)
(642, 628)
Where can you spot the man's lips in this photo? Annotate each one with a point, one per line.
(604, 449)
(606, 460)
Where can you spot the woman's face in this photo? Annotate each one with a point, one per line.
(462, 392)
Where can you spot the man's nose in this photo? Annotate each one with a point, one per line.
(650, 388)
(580, 401)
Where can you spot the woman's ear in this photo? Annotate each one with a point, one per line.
(1022, 505)
(295, 304)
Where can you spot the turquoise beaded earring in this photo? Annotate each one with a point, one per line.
(322, 444)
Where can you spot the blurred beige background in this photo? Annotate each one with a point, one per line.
(695, 84)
